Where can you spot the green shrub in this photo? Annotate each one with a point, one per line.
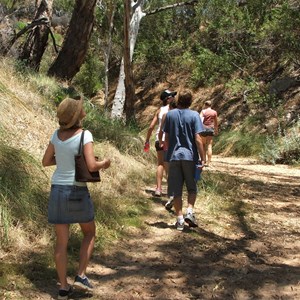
(253, 92)
(239, 143)
(283, 148)
(91, 75)
(20, 25)
(209, 67)
(125, 138)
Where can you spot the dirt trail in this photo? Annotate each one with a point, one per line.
(261, 260)
(262, 263)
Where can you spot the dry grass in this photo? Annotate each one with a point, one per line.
(26, 124)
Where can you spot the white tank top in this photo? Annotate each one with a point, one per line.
(163, 110)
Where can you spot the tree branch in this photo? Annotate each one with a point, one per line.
(41, 21)
(157, 10)
(53, 40)
(37, 22)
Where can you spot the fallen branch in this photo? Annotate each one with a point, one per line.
(34, 23)
(191, 2)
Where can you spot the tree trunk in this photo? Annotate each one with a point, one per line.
(138, 14)
(75, 45)
(129, 85)
(119, 99)
(36, 42)
(107, 50)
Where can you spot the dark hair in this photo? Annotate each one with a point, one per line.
(165, 101)
(173, 104)
(185, 99)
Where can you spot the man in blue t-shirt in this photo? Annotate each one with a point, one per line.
(182, 128)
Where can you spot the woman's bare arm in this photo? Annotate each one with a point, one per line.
(49, 156)
(92, 164)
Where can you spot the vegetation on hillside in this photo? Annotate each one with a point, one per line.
(249, 50)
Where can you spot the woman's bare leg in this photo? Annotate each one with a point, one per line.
(160, 169)
(209, 142)
(87, 246)
(204, 141)
(60, 254)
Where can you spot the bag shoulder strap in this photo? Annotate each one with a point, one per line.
(81, 143)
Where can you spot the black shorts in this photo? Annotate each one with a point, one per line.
(209, 131)
(157, 147)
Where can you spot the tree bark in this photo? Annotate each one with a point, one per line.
(129, 84)
(35, 45)
(75, 45)
(107, 49)
(137, 15)
(119, 99)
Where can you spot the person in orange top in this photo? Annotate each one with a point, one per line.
(210, 121)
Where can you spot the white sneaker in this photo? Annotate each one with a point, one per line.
(157, 193)
(169, 204)
(191, 220)
(179, 226)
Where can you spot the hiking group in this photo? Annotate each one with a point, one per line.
(180, 152)
(183, 143)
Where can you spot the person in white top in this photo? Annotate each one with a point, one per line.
(166, 97)
(69, 200)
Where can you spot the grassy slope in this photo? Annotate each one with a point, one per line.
(26, 124)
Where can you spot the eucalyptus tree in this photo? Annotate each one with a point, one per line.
(111, 10)
(75, 45)
(129, 84)
(36, 42)
(107, 36)
(139, 9)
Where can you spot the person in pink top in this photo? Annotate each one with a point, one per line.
(210, 121)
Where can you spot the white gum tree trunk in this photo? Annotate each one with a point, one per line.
(119, 99)
(137, 15)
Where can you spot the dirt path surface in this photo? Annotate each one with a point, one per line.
(256, 257)
(261, 261)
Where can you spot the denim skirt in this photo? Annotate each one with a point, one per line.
(70, 204)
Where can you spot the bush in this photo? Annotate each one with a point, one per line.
(125, 138)
(90, 76)
(239, 143)
(209, 68)
(283, 149)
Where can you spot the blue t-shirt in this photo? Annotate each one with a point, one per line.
(65, 152)
(181, 126)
